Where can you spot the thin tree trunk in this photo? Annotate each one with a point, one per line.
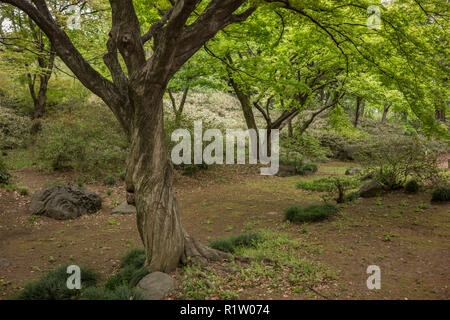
(385, 112)
(358, 106)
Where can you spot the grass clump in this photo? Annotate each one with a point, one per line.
(307, 168)
(230, 244)
(412, 186)
(53, 285)
(109, 181)
(311, 213)
(441, 194)
(327, 184)
(131, 272)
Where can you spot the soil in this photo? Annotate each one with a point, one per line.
(405, 235)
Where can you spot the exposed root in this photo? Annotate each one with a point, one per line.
(194, 251)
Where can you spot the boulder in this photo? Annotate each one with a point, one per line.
(124, 208)
(371, 189)
(63, 202)
(352, 171)
(156, 285)
(287, 171)
(348, 153)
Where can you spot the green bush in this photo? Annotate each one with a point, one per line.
(231, 243)
(395, 158)
(122, 176)
(109, 181)
(90, 143)
(327, 184)
(4, 174)
(14, 129)
(441, 194)
(412, 186)
(53, 285)
(304, 147)
(310, 213)
(307, 168)
(131, 272)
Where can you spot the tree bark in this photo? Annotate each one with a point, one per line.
(358, 106)
(150, 177)
(385, 112)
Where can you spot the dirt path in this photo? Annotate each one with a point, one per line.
(406, 236)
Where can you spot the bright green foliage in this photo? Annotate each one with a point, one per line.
(311, 213)
(14, 129)
(307, 168)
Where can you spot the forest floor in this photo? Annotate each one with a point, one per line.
(405, 235)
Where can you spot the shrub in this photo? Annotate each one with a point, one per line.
(307, 168)
(91, 142)
(14, 129)
(109, 181)
(231, 243)
(412, 186)
(53, 286)
(4, 174)
(132, 270)
(310, 213)
(441, 194)
(122, 176)
(327, 184)
(305, 147)
(396, 158)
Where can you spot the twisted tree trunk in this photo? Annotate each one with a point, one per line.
(150, 177)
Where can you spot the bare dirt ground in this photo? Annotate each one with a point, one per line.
(406, 236)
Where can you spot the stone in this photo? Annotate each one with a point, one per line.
(352, 171)
(287, 171)
(368, 176)
(348, 153)
(124, 208)
(371, 189)
(156, 285)
(130, 198)
(273, 213)
(64, 202)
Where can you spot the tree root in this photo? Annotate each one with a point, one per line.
(194, 251)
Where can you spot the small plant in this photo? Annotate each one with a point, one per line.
(231, 243)
(53, 285)
(311, 213)
(122, 176)
(4, 175)
(109, 181)
(412, 186)
(23, 191)
(109, 192)
(441, 194)
(307, 168)
(32, 219)
(80, 184)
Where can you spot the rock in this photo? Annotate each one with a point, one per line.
(371, 189)
(368, 176)
(348, 153)
(156, 285)
(124, 208)
(352, 171)
(287, 171)
(65, 202)
(130, 198)
(4, 263)
(273, 213)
